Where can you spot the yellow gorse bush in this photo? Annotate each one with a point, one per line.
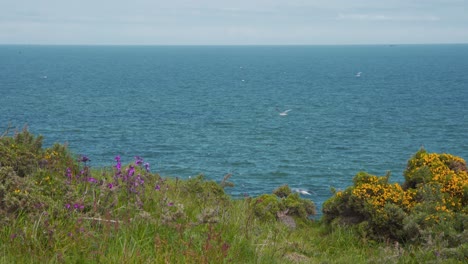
(376, 192)
(433, 199)
(447, 173)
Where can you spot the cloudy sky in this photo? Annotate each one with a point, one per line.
(239, 22)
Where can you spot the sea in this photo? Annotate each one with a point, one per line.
(215, 110)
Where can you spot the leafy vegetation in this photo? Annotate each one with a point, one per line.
(56, 208)
(429, 210)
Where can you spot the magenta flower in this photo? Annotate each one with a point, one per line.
(92, 180)
(78, 206)
(130, 171)
(110, 185)
(68, 206)
(119, 164)
(170, 204)
(157, 188)
(147, 167)
(139, 180)
(84, 159)
(138, 160)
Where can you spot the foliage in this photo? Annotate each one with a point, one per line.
(268, 206)
(22, 152)
(282, 191)
(56, 208)
(431, 205)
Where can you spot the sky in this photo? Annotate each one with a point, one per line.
(239, 22)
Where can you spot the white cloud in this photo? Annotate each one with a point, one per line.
(378, 17)
(231, 22)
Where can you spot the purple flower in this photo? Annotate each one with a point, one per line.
(147, 167)
(170, 204)
(157, 188)
(119, 164)
(92, 180)
(110, 185)
(84, 159)
(138, 160)
(78, 206)
(69, 174)
(130, 171)
(68, 206)
(139, 180)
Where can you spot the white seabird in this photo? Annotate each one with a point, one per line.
(284, 113)
(301, 191)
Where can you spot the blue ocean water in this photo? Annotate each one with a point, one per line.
(214, 109)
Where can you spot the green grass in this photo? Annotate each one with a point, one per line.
(178, 234)
(163, 220)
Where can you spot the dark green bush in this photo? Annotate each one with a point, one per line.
(282, 191)
(20, 195)
(267, 206)
(22, 152)
(431, 205)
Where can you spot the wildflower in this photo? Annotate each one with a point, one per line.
(138, 160)
(92, 180)
(69, 174)
(83, 159)
(147, 167)
(78, 206)
(110, 185)
(157, 188)
(68, 206)
(130, 171)
(17, 191)
(119, 164)
(170, 204)
(139, 180)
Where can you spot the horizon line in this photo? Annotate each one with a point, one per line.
(227, 45)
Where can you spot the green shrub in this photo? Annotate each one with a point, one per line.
(20, 195)
(282, 191)
(267, 206)
(22, 152)
(433, 200)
